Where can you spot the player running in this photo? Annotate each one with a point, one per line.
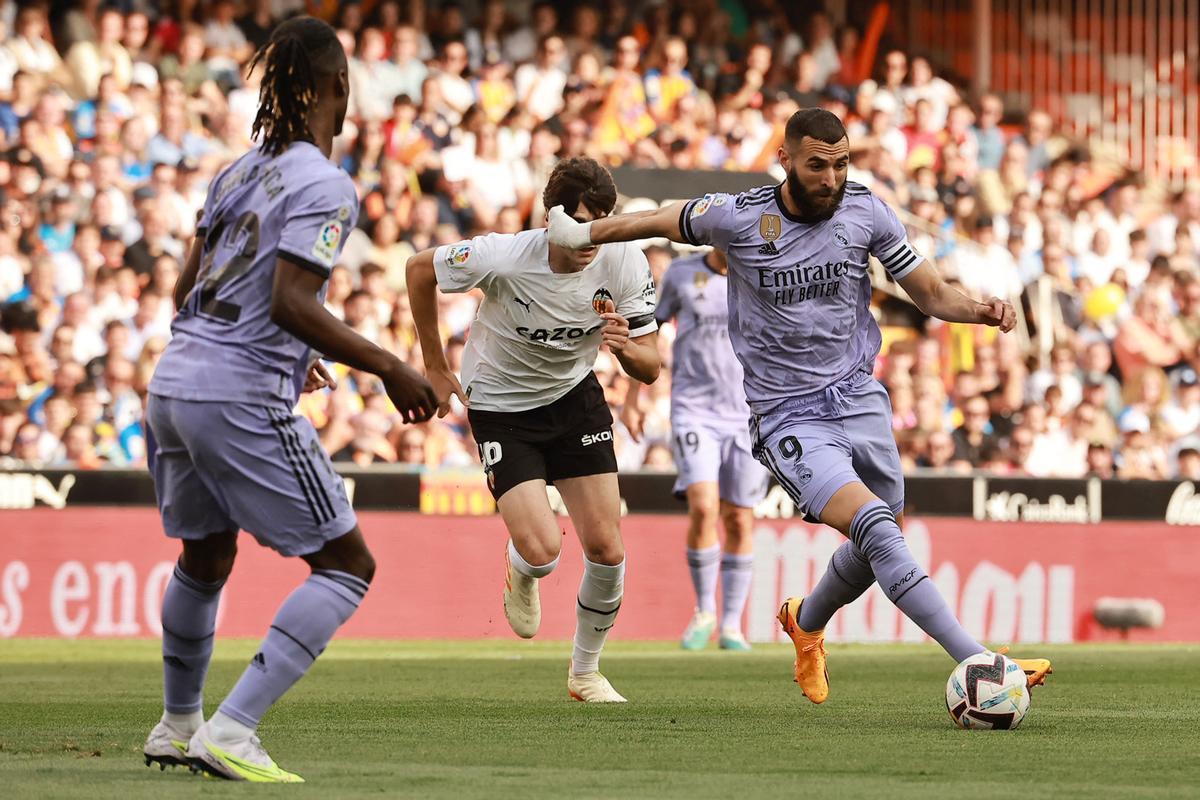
(800, 321)
(536, 409)
(229, 452)
(717, 472)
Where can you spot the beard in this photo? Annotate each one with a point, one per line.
(814, 206)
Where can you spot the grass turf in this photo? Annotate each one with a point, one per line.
(492, 719)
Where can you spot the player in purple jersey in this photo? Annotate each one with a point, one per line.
(800, 322)
(717, 470)
(229, 453)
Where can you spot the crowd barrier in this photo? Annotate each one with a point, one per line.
(453, 492)
(100, 572)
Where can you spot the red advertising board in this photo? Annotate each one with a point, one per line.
(100, 572)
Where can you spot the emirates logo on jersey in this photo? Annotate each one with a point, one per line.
(601, 296)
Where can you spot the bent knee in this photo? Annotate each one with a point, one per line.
(609, 553)
(704, 501)
(538, 552)
(365, 566)
(737, 537)
(348, 554)
(209, 560)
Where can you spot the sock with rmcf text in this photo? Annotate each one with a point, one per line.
(875, 532)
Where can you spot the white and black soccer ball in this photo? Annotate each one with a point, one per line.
(987, 691)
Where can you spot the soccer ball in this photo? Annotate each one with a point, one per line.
(987, 691)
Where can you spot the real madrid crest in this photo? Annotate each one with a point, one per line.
(839, 234)
(770, 226)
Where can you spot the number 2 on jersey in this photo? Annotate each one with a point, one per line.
(212, 278)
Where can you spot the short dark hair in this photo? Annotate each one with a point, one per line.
(820, 124)
(581, 180)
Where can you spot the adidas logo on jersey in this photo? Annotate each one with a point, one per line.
(768, 249)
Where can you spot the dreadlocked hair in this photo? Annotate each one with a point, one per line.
(300, 50)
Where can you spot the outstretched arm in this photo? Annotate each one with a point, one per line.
(422, 293)
(295, 307)
(939, 299)
(566, 232)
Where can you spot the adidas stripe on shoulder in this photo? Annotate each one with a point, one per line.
(755, 197)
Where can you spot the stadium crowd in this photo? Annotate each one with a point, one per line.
(115, 117)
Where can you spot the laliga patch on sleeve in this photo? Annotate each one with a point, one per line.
(457, 255)
(701, 206)
(325, 250)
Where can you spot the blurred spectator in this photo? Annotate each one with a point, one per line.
(1184, 214)
(671, 83)
(411, 447)
(988, 137)
(1181, 415)
(540, 84)
(624, 116)
(32, 50)
(88, 60)
(1188, 461)
(369, 444)
(1149, 338)
(658, 458)
(972, 440)
(938, 452)
(1100, 461)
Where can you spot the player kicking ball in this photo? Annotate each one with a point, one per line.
(229, 453)
(536, 409)
(801, 325)
(717, 472)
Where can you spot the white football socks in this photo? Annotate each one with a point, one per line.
(525, 568)
(189, 721)
(599, 600)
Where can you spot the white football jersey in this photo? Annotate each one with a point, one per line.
(537, 332)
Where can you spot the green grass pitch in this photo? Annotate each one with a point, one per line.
(492, 720)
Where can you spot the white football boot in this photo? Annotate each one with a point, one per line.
(242, 760)
(522, 606)
(591, 687)
(167, 745)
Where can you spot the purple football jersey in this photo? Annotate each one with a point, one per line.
(799, 293)
(706, 377)
(224, 345)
